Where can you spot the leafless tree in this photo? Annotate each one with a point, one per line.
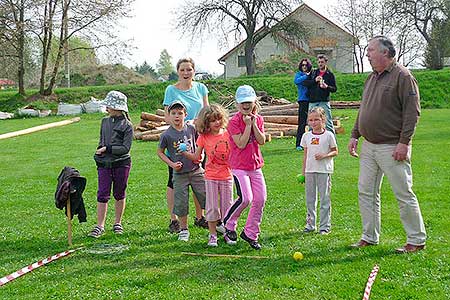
(368, 18)
(249, 19)
(422, 14)
(13, 28)
(66, 18)
(57, 21)
(408, 42)
(353, 16)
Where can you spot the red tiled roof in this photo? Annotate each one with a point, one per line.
(6, 82)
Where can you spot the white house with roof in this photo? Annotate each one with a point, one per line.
(325, 37)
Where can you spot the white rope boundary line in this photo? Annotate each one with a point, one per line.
(370, 282)
(25, 270)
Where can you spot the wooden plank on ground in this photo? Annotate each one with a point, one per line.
(38, 128)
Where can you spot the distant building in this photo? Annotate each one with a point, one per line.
(202, 76)
(163, 78)
(6, 83)
(325, 38)
(446, 61)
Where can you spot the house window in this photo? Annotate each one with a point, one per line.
(320, 31)
(241, 61)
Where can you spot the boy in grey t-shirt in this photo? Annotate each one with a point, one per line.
(180, 137)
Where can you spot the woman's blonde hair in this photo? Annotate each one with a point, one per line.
(185, 60)
(320, 111)
(209, 114)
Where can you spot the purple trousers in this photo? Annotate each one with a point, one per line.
(117, 178)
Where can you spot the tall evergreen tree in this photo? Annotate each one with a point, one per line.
(164, 66)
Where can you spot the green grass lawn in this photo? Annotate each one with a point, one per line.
(152, 265)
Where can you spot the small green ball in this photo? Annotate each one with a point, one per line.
(300, 178)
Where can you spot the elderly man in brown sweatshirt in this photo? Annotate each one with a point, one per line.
(387, 119)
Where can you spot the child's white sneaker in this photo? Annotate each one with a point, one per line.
(183, 235)
(212, 240)
(220, 229)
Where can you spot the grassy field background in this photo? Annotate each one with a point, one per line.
(152, 266)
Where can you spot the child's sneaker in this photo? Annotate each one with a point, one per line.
(253, 243)
(220, 228)
(308, 230)
(174, 226)
(230, 237)
(201, 222)
(97, 231)
(183, 235)
(324, 232)
(212, 240)
(117, 228)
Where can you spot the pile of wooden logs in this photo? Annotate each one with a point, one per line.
(151, 126)
(280, 120)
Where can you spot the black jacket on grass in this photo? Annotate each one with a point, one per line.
(71, 184)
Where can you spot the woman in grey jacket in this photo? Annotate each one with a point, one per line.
(113, 161)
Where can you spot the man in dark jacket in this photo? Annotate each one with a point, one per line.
(320, 86)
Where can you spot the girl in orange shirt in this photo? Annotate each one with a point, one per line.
(215, 140)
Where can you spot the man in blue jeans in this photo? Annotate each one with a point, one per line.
(321, 85)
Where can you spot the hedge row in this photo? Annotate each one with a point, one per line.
(434, 89)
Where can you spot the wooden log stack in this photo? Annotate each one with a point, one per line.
(150, 127)
(280, 120)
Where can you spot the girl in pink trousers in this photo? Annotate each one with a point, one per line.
(246, 129)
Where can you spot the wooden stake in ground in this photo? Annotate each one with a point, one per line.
(38, 128)
(223, 255)
(69, 222)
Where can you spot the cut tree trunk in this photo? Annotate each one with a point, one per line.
(151, 137)
(268, 125)
(292, 120)
(281, 112)
(139, 135)
(284, 131)
(149, 124)
(151, 117)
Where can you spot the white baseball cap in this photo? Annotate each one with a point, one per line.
(245, 93)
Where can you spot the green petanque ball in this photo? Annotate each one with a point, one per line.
(300, 178)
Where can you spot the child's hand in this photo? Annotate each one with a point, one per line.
(248, 119)
(182, 147)
(199, 161)
(320, 156)
(100, 151)
(177, 165)
(253, 119)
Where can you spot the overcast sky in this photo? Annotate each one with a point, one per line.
(151, 31)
